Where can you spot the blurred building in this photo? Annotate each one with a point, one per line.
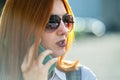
(111, 14)
(107, 11)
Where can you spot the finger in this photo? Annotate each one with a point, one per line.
(31, 55)
(28, 60)
(51, 62)
(33, 52)
(43, 55)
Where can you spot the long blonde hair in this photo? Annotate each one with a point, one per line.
(21, 20)
(65, 65)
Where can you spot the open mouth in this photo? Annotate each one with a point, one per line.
(61, 43)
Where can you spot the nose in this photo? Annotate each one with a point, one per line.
(62, 30)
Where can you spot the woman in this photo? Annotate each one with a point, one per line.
(25, 26)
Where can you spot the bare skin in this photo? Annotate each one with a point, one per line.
(34, 69)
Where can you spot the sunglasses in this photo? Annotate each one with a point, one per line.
(55, 20)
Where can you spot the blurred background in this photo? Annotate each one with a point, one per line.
(97, 36)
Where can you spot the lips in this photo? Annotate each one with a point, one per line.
(61, 43)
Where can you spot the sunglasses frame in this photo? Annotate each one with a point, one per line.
(55, 20)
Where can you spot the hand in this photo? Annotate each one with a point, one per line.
(33, 69)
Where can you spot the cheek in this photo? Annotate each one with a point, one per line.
(47, 40)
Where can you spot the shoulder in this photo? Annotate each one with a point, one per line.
(81, 73)
(87, 73)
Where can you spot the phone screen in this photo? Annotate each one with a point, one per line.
(47, 58)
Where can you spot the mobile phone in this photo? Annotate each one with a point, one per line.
(47, 58)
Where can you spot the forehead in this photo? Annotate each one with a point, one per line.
(58, 8)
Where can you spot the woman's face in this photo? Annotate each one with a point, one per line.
(56, 40)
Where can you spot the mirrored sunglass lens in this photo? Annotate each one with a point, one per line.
(68, 21)
(55, 18)
(51, 26)
(68, 18)
(53, 23)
